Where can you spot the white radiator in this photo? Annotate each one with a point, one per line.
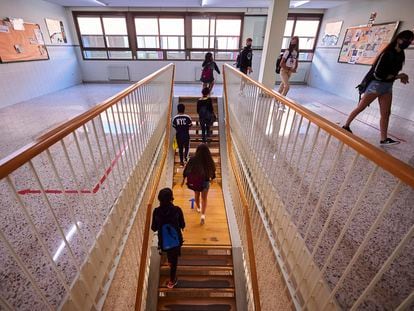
(118, 73)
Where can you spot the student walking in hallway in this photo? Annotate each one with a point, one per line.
(207, 74)
(199, 172)
(289, 65)
(379, 81)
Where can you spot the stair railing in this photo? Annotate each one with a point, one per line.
(72, 199)
(336, 210)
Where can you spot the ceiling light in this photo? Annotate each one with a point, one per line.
(204, 2)
(296, 4)
(101, 3)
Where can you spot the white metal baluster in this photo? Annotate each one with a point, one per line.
(106, 174)
(129, 136)
(71, 210)
(121, 150)
(37, 234)
(143, 115)
(406, 303)
(62, 233)
(407, 238)
(132, 122)
(126, 147)
(22, 266)
(353, 212)
(367, 237)
(136, 123)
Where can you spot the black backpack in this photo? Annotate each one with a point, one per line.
(278, 61)
(238, 59)
(362, 87)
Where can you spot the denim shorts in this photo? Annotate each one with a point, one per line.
(206, 185)
(379, 87)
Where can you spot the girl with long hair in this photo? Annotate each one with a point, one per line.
(207, 74)
(382, 75)
(201, 164)
(289, 64)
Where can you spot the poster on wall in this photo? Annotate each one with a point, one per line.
(56, 31)
(331, 33)
(362, 44)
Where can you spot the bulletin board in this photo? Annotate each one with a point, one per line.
(362, 44)
(21, 45)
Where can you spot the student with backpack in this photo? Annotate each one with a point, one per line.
(205, 112)
(288, 65)
(199, 171)
(244, 59)
(207, 74)
(379, 81)
(182, 123)
(168, 221)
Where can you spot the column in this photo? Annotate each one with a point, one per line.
(276, 20)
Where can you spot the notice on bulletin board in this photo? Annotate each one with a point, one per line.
(362, 44)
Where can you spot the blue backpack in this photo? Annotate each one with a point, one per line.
(169, 237)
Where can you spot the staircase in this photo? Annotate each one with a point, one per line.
(205, 272)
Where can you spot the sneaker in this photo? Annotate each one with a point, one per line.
(347, 128)
(389, 142)
(182, 164)
(198, 210)
(202, 219)
(172, 284)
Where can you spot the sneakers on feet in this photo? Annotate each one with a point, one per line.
(182, 164)
(202, 219)
(198, 210)
(172, 284)
(389, 142)
(347, 128)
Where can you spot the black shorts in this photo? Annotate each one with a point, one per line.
(244, 70)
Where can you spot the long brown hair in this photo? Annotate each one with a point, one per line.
(291, 48)
(203, 162)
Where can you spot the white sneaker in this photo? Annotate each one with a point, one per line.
(198, 210)
(202, 219)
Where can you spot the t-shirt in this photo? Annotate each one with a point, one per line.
(291, 61)
(388, 66)
(182, 124)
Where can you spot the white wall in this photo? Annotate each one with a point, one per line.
(24, 80)
(339, 78)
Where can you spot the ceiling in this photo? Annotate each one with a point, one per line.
(311, 4)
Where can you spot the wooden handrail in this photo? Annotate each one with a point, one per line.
(29, 151)
(389, 163)
(250, 246)
(145, 237)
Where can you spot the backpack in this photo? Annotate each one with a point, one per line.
(238, 59)
(195, 181)
(278, 61)
(170, 238)
(207, 73)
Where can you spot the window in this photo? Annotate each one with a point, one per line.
(104, 37)
(217, 34)
(255, 27)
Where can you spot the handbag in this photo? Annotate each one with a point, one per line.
(174, 144)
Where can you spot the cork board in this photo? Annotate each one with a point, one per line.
(21, 45)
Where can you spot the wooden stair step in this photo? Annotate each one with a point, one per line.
(201, 260)
(199, 270)
(199, 304)
(196, 292)
(199, 281)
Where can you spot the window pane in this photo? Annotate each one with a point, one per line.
(90, 25)
(228, 27)
(198, 55)
(175, 55)
(93, 41)
(95, 54)
(306, 43)
(288, 28)
(254, 27)
(146, 26)
(285, 43)
(200, 42)
(147, 42)
(115, 25)
(211, 42)
(172, 26)
(226, 55)
(306, 56)
(172, 43)
(120, 54)
(200, 27)
(212, 26)
(306, 28)
(149, 55)
(117, 41)
(227, 43)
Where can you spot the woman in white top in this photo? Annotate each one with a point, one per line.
(289, 64)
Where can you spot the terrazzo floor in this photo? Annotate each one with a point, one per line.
(23, 122)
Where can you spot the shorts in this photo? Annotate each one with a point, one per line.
(244, 70)
(206, 185)
(379, 87)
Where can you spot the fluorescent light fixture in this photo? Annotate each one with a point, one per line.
(62, 244)
(204, 2)
(296, 4)
(101, 3)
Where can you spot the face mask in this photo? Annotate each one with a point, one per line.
(293, 45)
(404, 45)
(249, 45)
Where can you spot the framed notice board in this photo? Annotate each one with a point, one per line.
(362, 44)
(21, 45)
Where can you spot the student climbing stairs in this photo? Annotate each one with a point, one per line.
(205, 269)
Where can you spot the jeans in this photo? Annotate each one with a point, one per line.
(205, 130)
(183, 147)
(172, 256)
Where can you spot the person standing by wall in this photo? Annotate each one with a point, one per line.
(205, 113)
(199, 171)
(168, 221)
(182, 123)
(207, 74)
(289, 65)
(380, 80)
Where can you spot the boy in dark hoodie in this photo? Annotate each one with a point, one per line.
(168, 214)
